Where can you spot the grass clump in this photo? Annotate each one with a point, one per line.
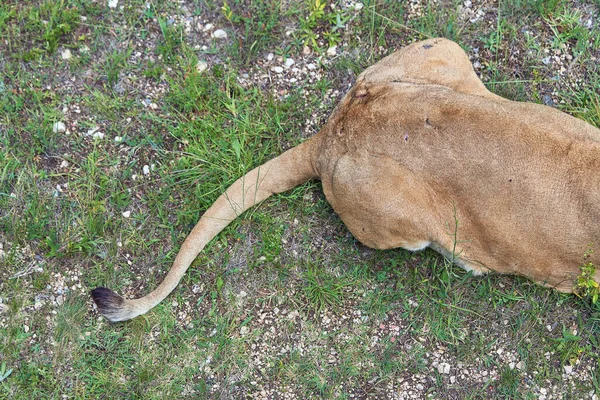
(588, 287)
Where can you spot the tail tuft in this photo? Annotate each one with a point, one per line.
(109, 304)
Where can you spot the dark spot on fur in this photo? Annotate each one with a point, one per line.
(510, 180)
(427, 123)
(360, 93)
(427, 46)
(406, 137)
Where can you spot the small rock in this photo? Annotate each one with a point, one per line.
(477, 65)
(66, 54)
(127, 214)
(118, 139)
(270, 57)
(547, 100)
(289, 62)
(311, 66)
(332, 51)
(306, 50)
(3, 308)
(98, 135)
(145, 169)
(90, 132)
(26, 328)
(277, 69)
(520, 365)
(208, 27)
(201, 66)
(468, 3)
(452, 379)
(244, 330)
(443, 368)
(568, 369)
(59, 127)
(219, 34)
(113, 3)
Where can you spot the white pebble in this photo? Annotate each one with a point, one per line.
(127, 214)
(332, 51)
(568, 369)
(146, 169)
(277, 69)
(270, 57)
(90, 132)
(311, 66)
(443, 368)
(244, 330)
(59, 127)
(289, 62)
(118, 139)
(66, 54)
(208, 27)
(113, 3)
(98, 135)
(202, 66)
(219, 34)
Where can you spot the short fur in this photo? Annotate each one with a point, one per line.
(418, 145)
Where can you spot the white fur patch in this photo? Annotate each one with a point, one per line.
(416, 246)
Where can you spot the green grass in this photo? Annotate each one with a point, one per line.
(284, 300)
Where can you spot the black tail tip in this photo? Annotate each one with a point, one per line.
(107, 301)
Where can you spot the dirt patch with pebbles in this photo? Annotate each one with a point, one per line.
(276, 330)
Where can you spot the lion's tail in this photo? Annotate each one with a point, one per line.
(277, 175)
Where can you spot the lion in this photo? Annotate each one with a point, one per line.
(417, 145)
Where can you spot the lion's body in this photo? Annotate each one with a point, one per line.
(420, 154)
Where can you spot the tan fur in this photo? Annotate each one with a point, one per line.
(418, 146)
